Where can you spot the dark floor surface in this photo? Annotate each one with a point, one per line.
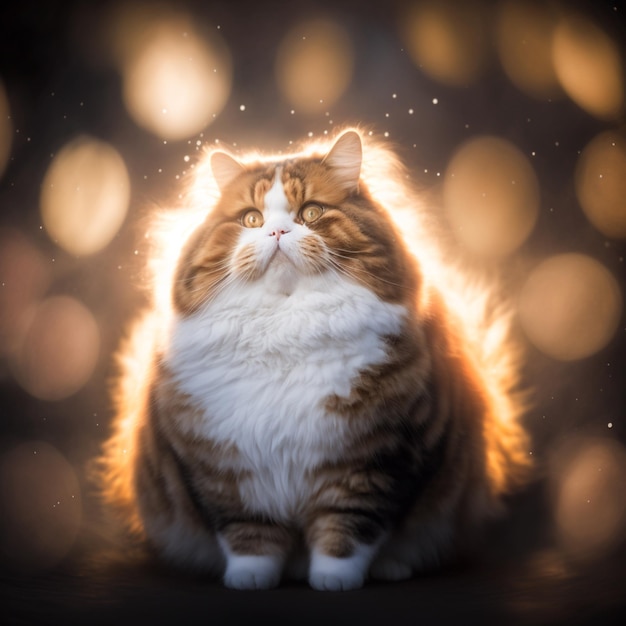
(518, 577)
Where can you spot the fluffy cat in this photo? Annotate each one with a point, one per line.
(310, 406)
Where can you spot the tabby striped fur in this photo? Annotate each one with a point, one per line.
(311, 407)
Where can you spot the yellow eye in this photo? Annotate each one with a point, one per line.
(311, 212)
(252, 219)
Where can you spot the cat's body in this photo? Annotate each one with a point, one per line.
(311, 408)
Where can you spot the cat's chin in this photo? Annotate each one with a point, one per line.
(281, 276)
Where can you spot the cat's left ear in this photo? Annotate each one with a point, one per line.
(345, 159)
(225, 168)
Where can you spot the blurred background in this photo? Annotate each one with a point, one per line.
(510, 117)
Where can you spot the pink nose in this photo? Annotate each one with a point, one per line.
(278, 233)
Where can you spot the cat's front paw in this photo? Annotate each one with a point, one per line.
(252, 572)
(334, 582)
(330, 573)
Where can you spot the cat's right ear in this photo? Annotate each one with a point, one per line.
(225, 169)
(345, 159)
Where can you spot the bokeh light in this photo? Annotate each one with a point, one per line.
(6, 129)
(24, 278)
(588, 480)
(601, 183)
(85, 196)
(589, 67)
(60, 349)
(175, 80)
(524, 36)
(314, 65)
(447, 39)
(41, 503)
(491, 196)
(570, 306)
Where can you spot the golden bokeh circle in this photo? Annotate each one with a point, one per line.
(587, 476)
(447, 39)
(42, 506)
(59, 351)
(589, 67)
(175, 81)
(491, 196)
(314, 65)
(85, 195)
(570, 306)
(524, 37)
(601, 183)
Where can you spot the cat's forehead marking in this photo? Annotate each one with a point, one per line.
(260, 188)
(295, 190)
(275, 198)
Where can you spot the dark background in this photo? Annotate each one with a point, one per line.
(58, 87)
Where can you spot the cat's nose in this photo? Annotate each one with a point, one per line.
(278, 232)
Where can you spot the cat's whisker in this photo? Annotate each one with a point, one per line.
(212, 289)
(361, 270)
(216, 268)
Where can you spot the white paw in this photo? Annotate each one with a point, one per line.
(334, 582)
(390, 569)
(329, 573)
(252, 572)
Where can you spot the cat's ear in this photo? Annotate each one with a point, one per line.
(345, 160)
(225, 168)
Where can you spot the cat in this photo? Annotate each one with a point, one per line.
(311, 408)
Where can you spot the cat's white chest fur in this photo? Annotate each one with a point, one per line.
(262, 365)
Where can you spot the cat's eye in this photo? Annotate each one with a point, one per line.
(310, 213)
(252, 219)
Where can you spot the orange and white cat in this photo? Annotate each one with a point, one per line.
(312, 408)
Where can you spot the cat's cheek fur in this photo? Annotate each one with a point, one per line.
(329, 573)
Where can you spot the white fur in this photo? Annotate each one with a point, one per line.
(262, 366)
(261, 358)
(250, 571)
(275, 199)
(329, 573)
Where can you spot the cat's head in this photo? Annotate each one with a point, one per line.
(281, 220)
